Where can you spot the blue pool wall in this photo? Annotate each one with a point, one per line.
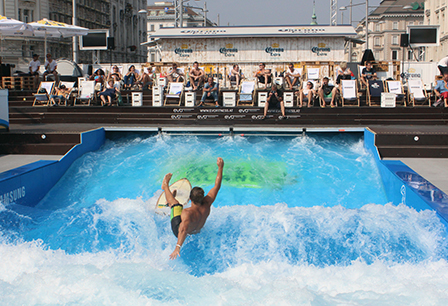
(28, 184)
(399, 191)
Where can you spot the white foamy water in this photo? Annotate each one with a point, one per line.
(300, 221)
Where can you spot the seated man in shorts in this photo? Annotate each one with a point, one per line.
(325, 90)
(264, 75)
(51, 67)
(292, 76)
(274, 101)
(211, 91)
(175, 74)
(34, 67)
(197, 76)
(190, 220)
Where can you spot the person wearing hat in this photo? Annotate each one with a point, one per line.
(34, 67)
(443, 65)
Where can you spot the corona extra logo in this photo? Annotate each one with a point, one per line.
(229, 46)
(321, 45)
(411, 70)
(275, 45)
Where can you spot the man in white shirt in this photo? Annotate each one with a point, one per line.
(443, 65)
(34, 67)
(292, 76)
(50, 68)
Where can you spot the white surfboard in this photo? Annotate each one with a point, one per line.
(182, 187)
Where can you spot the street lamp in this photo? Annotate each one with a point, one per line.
(343, 8)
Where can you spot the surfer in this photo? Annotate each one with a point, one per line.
(190, 220)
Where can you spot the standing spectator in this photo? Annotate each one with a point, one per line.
(292, 76)
(443, 65)
(130, 78)
(34, 69)
(368, 73)
(264, 75)
(211, 90)
(51, 68)
(175, 74)
(441, 90)
(196, 76)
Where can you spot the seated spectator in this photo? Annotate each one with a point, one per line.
(325, 90)
(308, 92)
(264, 75)
(441, 91)
(109, 92)
(60, 94)
(146, 80)
(197, 76)
(175, 74)
(368, 73)
(236, 75)
(115, 74)
(34, 67)
(292, 76)
(51, 68)
(211, 90)
(343, 72)
(274, 101)
(130, 78)
(98, 77)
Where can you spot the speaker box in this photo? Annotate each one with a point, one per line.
(110, 43)
(404, 40)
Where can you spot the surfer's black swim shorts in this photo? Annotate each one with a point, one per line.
(176, 211)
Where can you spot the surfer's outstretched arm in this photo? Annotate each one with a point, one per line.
(211, 196)
(166, 187)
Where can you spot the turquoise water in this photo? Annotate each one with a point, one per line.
(298, 221)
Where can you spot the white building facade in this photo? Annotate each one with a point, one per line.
(436, 14)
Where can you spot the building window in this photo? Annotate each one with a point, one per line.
(377, 41)
(152, 28)
(377, 55)
(411, 23)
(394, 55)
(377, 27)
(395, 40)
(395, 25)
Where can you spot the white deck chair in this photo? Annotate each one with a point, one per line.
(42, 97)
(175, 92)
(246, 93)
(417, 92)
(349, 92)
(70, 86)
(396, 87)
(86, 92)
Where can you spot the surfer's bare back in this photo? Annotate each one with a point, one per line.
(190, 220)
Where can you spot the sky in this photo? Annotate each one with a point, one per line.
(277, 12)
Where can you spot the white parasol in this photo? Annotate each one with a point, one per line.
(13, 27)
(49, 28)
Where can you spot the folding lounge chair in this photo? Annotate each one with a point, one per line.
(70, 86)
(86, 92)
(42, 97)
(246, 93)
(417, 93)
(349, 93)
(313, 73)
(361, 84)
(396, 87)
(374, 90)
(176, 89)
